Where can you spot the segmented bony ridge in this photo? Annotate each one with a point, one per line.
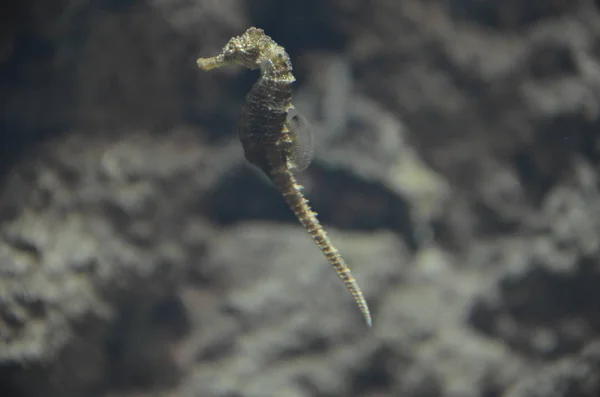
(291, 190)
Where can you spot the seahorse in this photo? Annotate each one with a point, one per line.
(278, 139)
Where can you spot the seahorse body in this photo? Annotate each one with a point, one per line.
(269, 140)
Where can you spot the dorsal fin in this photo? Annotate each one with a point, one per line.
(303, 139)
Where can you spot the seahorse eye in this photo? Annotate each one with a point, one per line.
(229, 50)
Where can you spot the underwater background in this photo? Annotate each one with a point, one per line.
(457, 170)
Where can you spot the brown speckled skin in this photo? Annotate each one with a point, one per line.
(267, 141)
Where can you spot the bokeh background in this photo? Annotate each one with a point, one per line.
(457, 170)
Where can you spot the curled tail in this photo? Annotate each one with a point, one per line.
(291, 190)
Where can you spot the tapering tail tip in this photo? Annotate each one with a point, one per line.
(367, 315)
(358, 296)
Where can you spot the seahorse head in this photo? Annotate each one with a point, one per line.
(248, 49)
(254, 49)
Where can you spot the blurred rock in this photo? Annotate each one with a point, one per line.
(578, 376)
(456, 171)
